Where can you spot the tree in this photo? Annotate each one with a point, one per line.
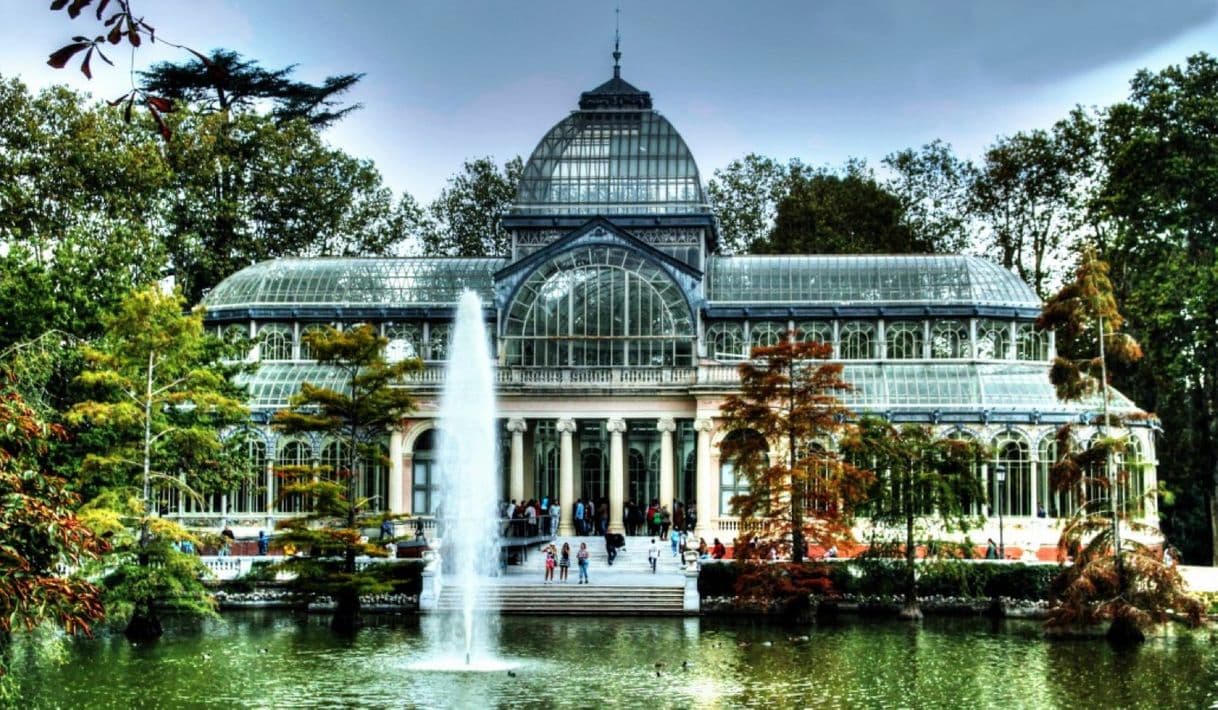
(1112, 578)
(1161, 155)
(464, 219)
(368, 403)
(745, 196)
(921, 481)
(227, 82)
(247, 188)
(158, 388)
(932, 185)
(847, 213)
(39, 532)
(789, 400)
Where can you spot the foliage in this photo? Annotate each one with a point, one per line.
(921, 479)
(42, 541)
(1160, 151)
(369, 402)
(781, 587)
(227, 82)
(932, 185)
(788, 399)
(464, 219)
(718, 579)
(156, 385)
(847, 213)
(745, 196)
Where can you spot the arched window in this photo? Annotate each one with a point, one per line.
(335, 461)
(969, 504)
(643, 486)
(858, 340)
(437, 341)
(293, 453)
(306, 352)
(993, 340)
(732, 482)
(1013, 495)
(1030, 343)
(405, 341)
(766, 333)
(949, 340)
(249, 496)
(815, 331)
(425, 481)
(599, 306)
(275, 341)
(904, 340)
(374, 479)
(725, 341)
(593, 481)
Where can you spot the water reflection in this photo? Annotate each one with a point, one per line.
(276, 660)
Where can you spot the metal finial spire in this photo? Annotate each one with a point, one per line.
(617, 42)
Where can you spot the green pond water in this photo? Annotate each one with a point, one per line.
(277, 660)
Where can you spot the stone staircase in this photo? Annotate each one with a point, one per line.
(570, 598)
(630, 559)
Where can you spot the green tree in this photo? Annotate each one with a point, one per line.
(745, 196)
(847, 213)
(788, 400)
(156, 385)
(932, 185)
(464, 219)
(1113, 578)
(227, 82)
(1161, 154)
(246, 188)
(39, 532)
(369, 402)
(922, 482)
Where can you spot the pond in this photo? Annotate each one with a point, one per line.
(275, 659)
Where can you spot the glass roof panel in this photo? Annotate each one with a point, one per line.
(355, 282)
(611, 162)
(844, 280)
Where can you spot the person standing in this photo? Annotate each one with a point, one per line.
(551, 563)
(555, 515)
(264, 543)
(991, 550)
(227, 538)
(674, 538)
(579, 517)
(653, 555)
(582, 557)
(564, 562)
(611, 547)
(665, 521)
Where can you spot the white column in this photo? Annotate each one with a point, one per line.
(270, 491)
(666, 427)
(566, 477)
(516, 481)
(617, 474)
(394, 504)
(707, 490)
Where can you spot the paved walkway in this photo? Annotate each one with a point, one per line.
(630, 569)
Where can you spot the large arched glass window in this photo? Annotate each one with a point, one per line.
(732, 482)
(1057, 503)
(815, 331)
(599, 306)
(1013, 496)
(405, 341)
(545, 460)
(993, 340)
(858, 340)
(374, 479)
(249, 496)
(766, 333)
(306, 353)
(275, 341)
(1030, 343)
(904, 340)
(949, 340)
(725, 341)
(335, 461)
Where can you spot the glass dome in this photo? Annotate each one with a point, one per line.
(844, 280)
(355, 282)
(615, 156)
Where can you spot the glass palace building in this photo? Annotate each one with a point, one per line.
(617, 327)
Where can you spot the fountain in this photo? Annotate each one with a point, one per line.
(469, 489)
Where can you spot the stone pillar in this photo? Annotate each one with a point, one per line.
(516, 480)
(666, 427)
(270, 494)
(394, 504)
(566, 477)
(617, 474)
(707, 490)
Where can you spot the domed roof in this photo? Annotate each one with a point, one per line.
(845, 280)
(614, 156)
(352, 282)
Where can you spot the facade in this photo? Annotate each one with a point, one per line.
(617, 328)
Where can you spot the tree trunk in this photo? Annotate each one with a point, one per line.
(347, 618)
(910, 610)
(145, 624)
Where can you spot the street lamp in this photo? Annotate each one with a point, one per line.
(1000, 473)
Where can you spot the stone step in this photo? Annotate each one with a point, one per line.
(570, 599)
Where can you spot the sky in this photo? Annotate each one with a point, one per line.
(824, 80)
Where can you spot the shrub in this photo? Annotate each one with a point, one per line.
(1020, 581)
(718, 579)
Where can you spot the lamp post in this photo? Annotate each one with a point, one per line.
(1000, 473)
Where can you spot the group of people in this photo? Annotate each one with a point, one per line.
(657, 520)
(531, 518)
(562, 560)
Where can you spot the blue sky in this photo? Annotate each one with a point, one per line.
(822, 81)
